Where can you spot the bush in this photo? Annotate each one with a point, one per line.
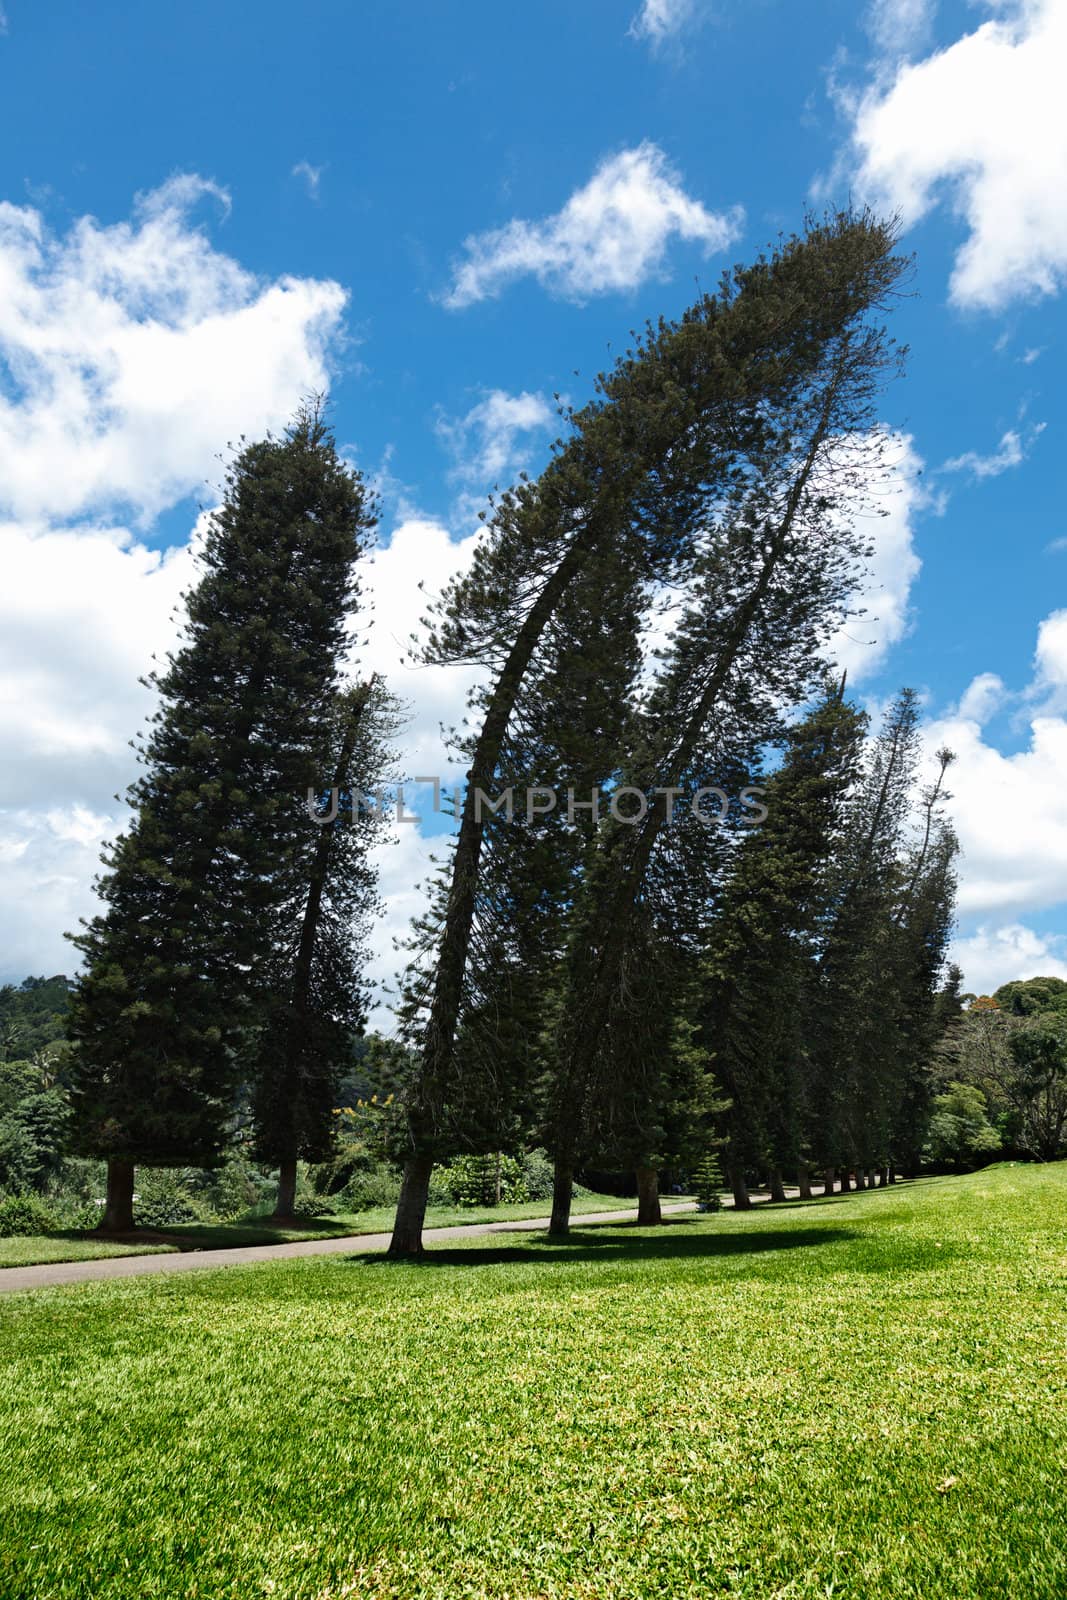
(232, 1190)
(25, 1214)
(365, 1191)
(164, 1199)
(537, 1175)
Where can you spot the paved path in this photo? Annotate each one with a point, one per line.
(50, 1273)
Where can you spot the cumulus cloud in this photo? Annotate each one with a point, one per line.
(129, 354)
(994, 955)
(888, 516)
(134, 350)
(611, 235)
(400, 580)
(979, 125)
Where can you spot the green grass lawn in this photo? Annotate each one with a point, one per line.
(862, 1397)
(72, 1245)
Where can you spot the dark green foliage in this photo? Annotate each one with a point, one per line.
(1029, 996)
(24, 1214)
(198, 887)
(34, 1122)
(312, 993)
(33, 1015)
(762, 942)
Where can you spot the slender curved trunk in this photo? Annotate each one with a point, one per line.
(803, 1180)
(777, 1187)
(562, 1188)
(736, 1178)
(118, 1207)
(828, 1181)
(286, 1198)
(411, 1207)
(648, 1206)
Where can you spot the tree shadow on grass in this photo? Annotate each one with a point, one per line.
(590, 1244)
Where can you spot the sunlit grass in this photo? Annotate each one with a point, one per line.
(862, 1397)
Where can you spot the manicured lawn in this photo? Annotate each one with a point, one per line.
(71, 1245)
(862, 1397)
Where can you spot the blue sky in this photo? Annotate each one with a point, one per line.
(448, 213)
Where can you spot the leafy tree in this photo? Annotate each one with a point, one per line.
(959, 1129)
(194, 888)
(1039, 1086)
(1029, 996)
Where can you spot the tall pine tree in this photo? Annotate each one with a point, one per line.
(192, 888)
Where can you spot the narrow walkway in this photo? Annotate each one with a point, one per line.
(49, 1274)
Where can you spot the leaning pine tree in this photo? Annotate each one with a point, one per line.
(193, 888)
(675, 430)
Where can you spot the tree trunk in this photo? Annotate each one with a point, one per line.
(411, 1207)
(846, 1183)
(883, 1177)
(803, 1180)
(870, 1177)
(736, 1177)
(562, 1187)
(828, 1181)
(648, 1206)
(777, 1187)
(286, 1198)
(118, 1208)
(891, 1173)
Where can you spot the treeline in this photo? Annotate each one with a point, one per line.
(620, 983)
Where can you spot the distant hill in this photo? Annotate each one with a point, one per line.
(33, 1014)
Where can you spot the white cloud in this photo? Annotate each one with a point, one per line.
(982, 699)
(994, 955)
(400, 580)
(611, 235)
(135, 351)
(129, 354)
(898, 26)
(493, 442)
(1010, 812)
(1009, 453)
(312, 177)
(980, 124)
(888, 518)
(661, 20)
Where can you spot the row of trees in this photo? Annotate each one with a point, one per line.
(629, 989)
(606, 984)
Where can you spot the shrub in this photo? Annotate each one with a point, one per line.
(25, 1214)
(380, 1186)
(164, 1199)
